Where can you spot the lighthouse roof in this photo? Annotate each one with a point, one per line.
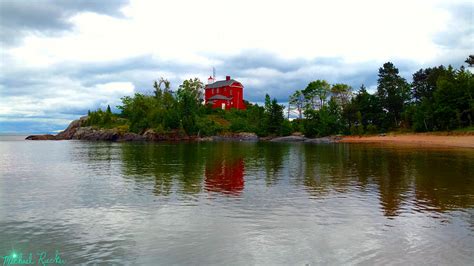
(221, 83)
(219, 97)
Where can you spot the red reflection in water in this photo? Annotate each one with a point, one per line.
(225, 176)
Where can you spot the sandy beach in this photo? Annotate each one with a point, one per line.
(464, 141)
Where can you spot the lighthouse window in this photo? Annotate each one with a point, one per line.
(230, 92)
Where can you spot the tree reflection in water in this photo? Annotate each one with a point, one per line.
(402, 178)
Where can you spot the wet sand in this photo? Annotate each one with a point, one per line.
(465, 141)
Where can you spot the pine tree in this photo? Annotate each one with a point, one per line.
(274, 116)
(393, 91)
(470, 60)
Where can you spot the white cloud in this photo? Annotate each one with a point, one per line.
(66, 97)
(184, 30)
(116, 88)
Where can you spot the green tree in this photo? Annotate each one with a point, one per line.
(274, 116)
(316, 94)
(341, 93)
(159, 91)
(422, 90)
(453, 103)
(424, 83)
(325, 121)
(393, 91)
(193, 87)
(107, 116)
(296, 102)
(268, 103)
(256, 119)
(370, 110)
(137, 110)
(470, 60)
(189, 98)
(311, 123)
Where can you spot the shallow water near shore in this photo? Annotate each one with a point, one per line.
(236, 203)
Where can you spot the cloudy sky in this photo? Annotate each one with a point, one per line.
(60, 58)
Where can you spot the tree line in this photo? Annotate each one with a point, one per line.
(438, 98)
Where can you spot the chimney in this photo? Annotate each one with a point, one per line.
(227, 78)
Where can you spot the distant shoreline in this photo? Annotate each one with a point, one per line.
(418, 139)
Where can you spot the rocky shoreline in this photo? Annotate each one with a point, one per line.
(76, 131)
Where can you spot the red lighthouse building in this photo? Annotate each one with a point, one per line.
(225, 94)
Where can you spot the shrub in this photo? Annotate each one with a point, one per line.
(286, 128)
(207, 127)
(122, 129)
(371, 129)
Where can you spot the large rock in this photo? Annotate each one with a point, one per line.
(174, 135)
(330, 139)
(41, 137)
(289, 139)
(319, 140)
(90, 133)
(131, 137)
(242, 136)
(76, 130)
(69, 132)
(151, 135)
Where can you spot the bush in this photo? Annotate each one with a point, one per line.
(159, 129)
(239, 125)
(371, 129)
(286, 128)
(297, 125)
(357, 130)
(310, 128)
(207, 127)
(122, 129)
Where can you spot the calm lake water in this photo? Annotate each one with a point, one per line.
(236, 203)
